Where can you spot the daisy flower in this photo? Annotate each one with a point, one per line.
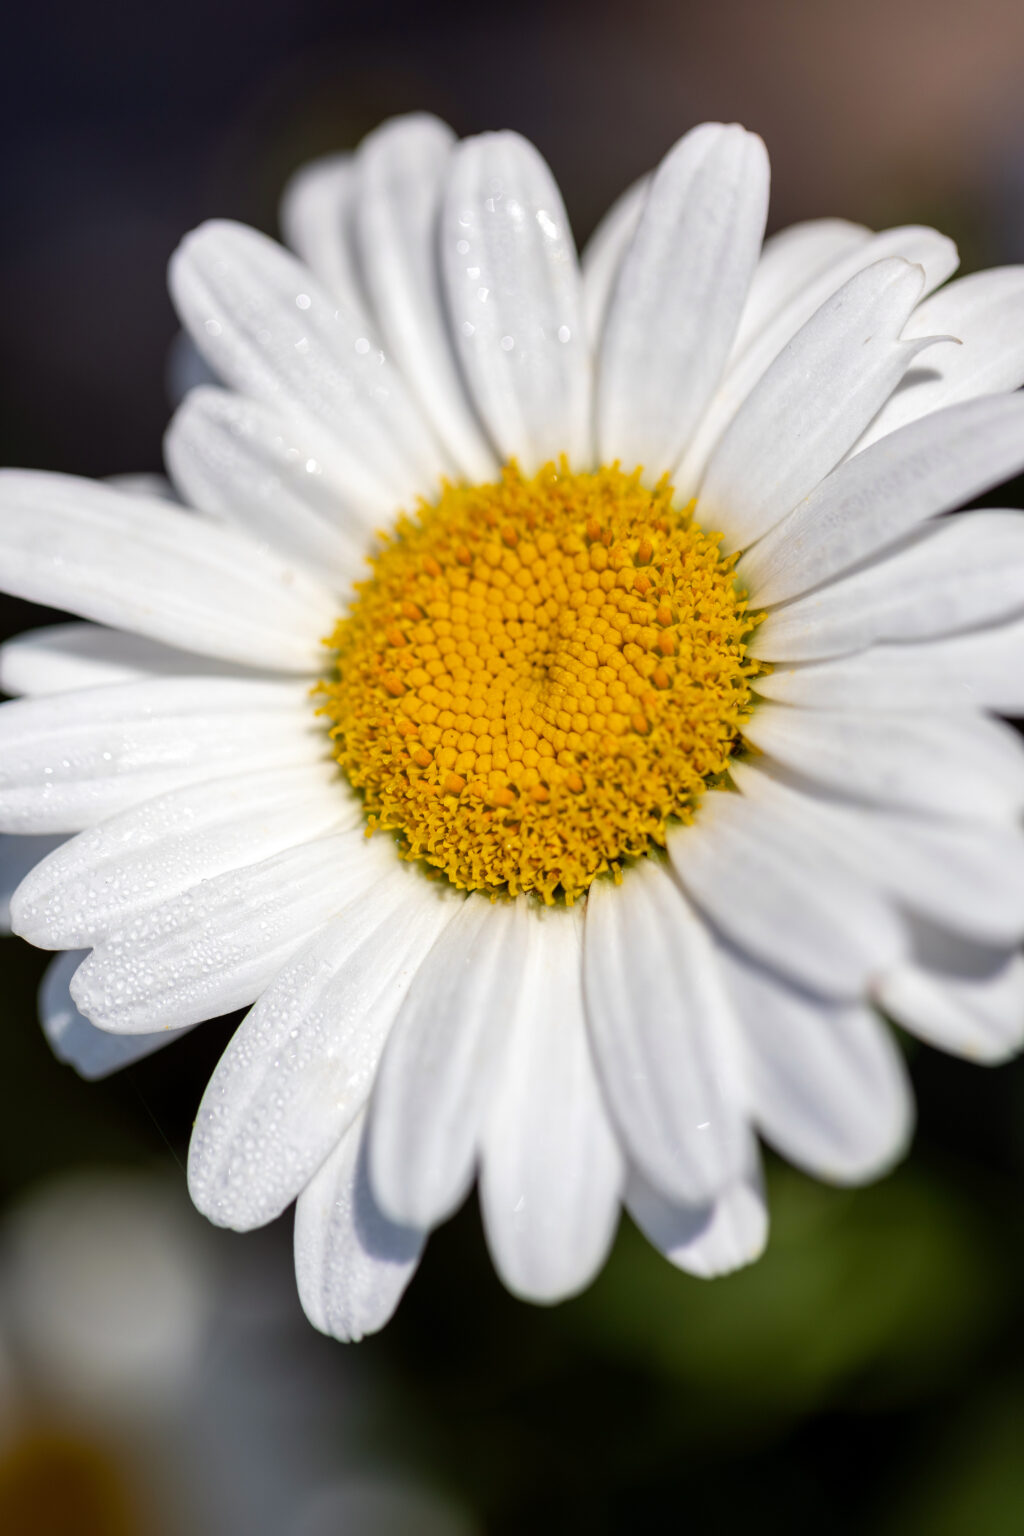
(562, 708)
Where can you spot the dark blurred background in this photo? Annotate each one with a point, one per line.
(868, 1374)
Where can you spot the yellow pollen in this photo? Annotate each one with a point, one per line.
(540, 675)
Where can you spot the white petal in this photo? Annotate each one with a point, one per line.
(773, 887)
(706, 1241)
(960, 765)
(960, 573)
(601, 257)
(790, 260)
(67, 760)
(301, 1064)
(983, 669)
(316, 221)
(214, 948)
(962, 997)
(61, 657)
(873, 500)
(269, 329)
(925, 247)
(92, 1052)
(106, 876)
(679, 295)
(352, 1264)
(515, 300)
(551, 1167)
(985, 312)
(155, 569)
(18, 857)
(401, 170)
(811, 404)
(436, 1075)
(827, 1084)
(664, 1034)
(185, 369)
(156, 487)
(251, 465)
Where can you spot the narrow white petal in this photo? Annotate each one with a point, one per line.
(602, 256)
(301, 1064)
(18, 857)
(811, 404)
(268, 328)
(316, 221)
(918, 245)
(155, 569)
(68, 760)
(959, 765)
(401, 170)
(828, 1087)
(62, 657)
(664, 1034)
(256, 467)
(985, 312)
(790, 260)
(962, 997)
(706, 1241)
(981, 669)
(515, 300)
(92, 1052)
(960, 573)
(773, 887)
(352, 1264)
(436, 1075)
(551, 1167)
(873, 500)
(106, 876)
(215, 948)
(680, 291)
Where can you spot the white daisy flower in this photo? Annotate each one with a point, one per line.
(667, 695)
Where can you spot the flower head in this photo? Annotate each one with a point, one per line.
(563, 709)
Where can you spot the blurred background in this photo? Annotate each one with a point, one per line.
(868, 1374)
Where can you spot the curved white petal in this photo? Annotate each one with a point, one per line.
(960, 573)
(679, 295)
(706, 1241)
(401, 170)
(962, 997)
(664, 1034)
(959, 765)
(254, 466)
(352, 1264)
(985, 312)
(916, 244)
(873, 500)
(790, 260)
(436, 1076)
(18, 857)
(301, 1064)
(68, 760)
(215, 948)
(515, 300)
(60, 657)
(153, 568)
(551, 1167)
(811, 404)
(92, 1052)
(828, 1087)
(771, 885)
(601, 257)
(269, 329)
(106, 876)
(316, 221)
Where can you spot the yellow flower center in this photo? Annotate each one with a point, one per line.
(539, 676)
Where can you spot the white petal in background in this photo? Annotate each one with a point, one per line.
(515, 300)
(551, 1166)
(790, 260)
(18, 856)
(92, 1052)
(603, 254)
(351, 1263)
(674, 311)
(706, 1241)
(60, 657)
(316, 221)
